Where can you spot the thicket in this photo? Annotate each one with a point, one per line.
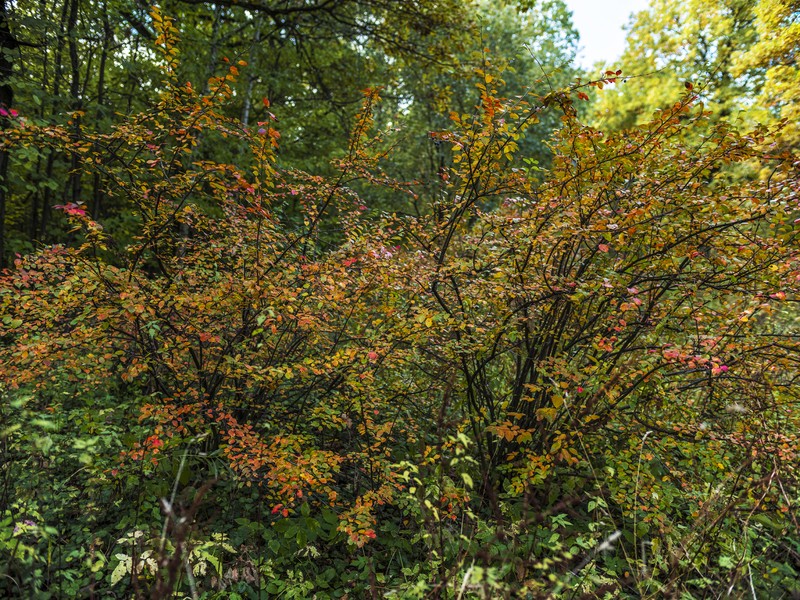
(572, 382)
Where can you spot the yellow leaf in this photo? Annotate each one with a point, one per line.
(546, 413)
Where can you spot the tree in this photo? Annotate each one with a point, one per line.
(312, 62)
(775, 53)
(529, 50)
(675, 43)
(95, 57)
(7, 45)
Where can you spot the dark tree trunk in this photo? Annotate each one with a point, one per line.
(57, 75)
(251, 78)
(8, 43)
(97, 184)
(74, 185)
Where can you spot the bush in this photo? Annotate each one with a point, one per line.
(578, 381)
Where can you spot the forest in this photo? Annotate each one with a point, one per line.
(314, 299)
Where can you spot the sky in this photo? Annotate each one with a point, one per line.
(599, 23)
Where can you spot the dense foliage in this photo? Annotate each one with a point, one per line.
(509, 368)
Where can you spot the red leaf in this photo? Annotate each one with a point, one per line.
(71, 209)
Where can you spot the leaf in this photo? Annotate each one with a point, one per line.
(546, 413)
(726, 562)
(122, 569)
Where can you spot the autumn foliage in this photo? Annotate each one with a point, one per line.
(544, 382)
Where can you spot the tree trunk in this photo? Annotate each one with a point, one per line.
(97, 187)
(8, 44)
(51, 158)
(251, 78)
(74, 185)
